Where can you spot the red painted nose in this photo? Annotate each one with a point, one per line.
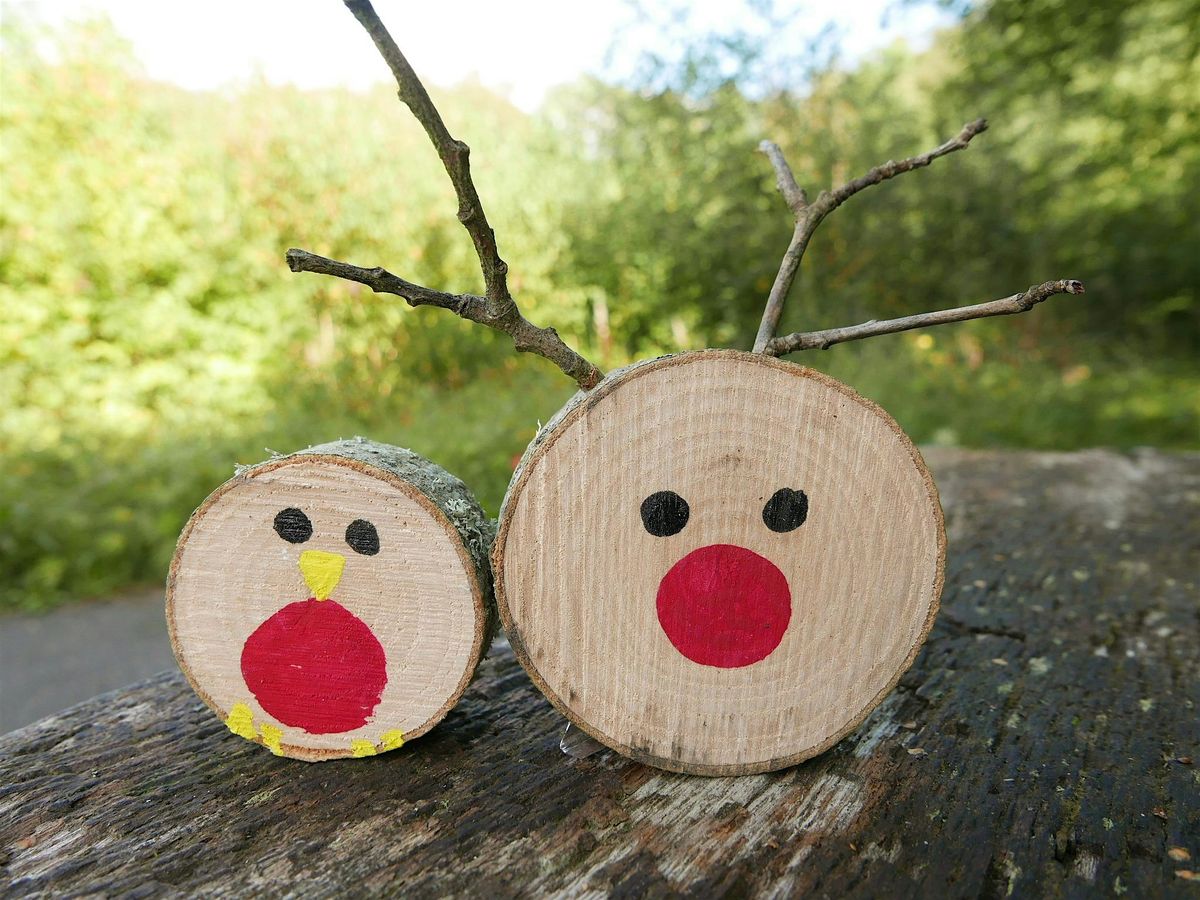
(724, 606)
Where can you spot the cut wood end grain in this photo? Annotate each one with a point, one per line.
(335, 602)
(716, 478)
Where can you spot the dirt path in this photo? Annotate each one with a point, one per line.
(57, 659)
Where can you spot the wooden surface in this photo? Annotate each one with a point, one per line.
(718, 562)
(1041, 745)
(332, 603)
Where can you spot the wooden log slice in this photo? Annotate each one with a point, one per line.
(718, 562)
(335, 602)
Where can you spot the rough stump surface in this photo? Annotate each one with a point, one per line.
(1043, 744)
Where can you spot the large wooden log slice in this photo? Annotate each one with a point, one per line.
(335, 602)
(718, 562)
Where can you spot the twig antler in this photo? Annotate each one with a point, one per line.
(1017, 303)
(809, 216)
(496, 308)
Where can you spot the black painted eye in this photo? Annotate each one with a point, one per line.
(786, 510)
(293, 525)
(664, 513)
(362, 537)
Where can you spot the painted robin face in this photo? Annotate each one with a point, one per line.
(304, 597)
(721, 558)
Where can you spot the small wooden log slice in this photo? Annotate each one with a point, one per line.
(335, 602)
(719, 562)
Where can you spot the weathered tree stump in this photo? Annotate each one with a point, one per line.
(1042, 744)
(719, 562)
(334, 602)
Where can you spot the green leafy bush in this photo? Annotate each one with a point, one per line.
(152, 336)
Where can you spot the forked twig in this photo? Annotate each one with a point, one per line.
(496, 308)
(808, 217)
(1017, 303)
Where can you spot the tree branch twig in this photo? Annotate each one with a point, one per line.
(378, 279)
(1007, 306)
(496, 309)
(526, 337)
(810, 215)
(793, 195)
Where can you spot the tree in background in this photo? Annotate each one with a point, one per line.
(152, 334)
(1104, 105)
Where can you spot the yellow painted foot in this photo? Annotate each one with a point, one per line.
(241, 721)
(271, 738)
(389, 740)
(362, 748)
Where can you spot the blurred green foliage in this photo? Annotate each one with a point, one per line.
(152, 336)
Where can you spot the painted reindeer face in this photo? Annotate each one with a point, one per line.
(720, 562)
(324, 608)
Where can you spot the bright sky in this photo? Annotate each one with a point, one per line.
(518, 47)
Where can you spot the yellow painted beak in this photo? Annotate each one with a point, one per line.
(322, 571)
